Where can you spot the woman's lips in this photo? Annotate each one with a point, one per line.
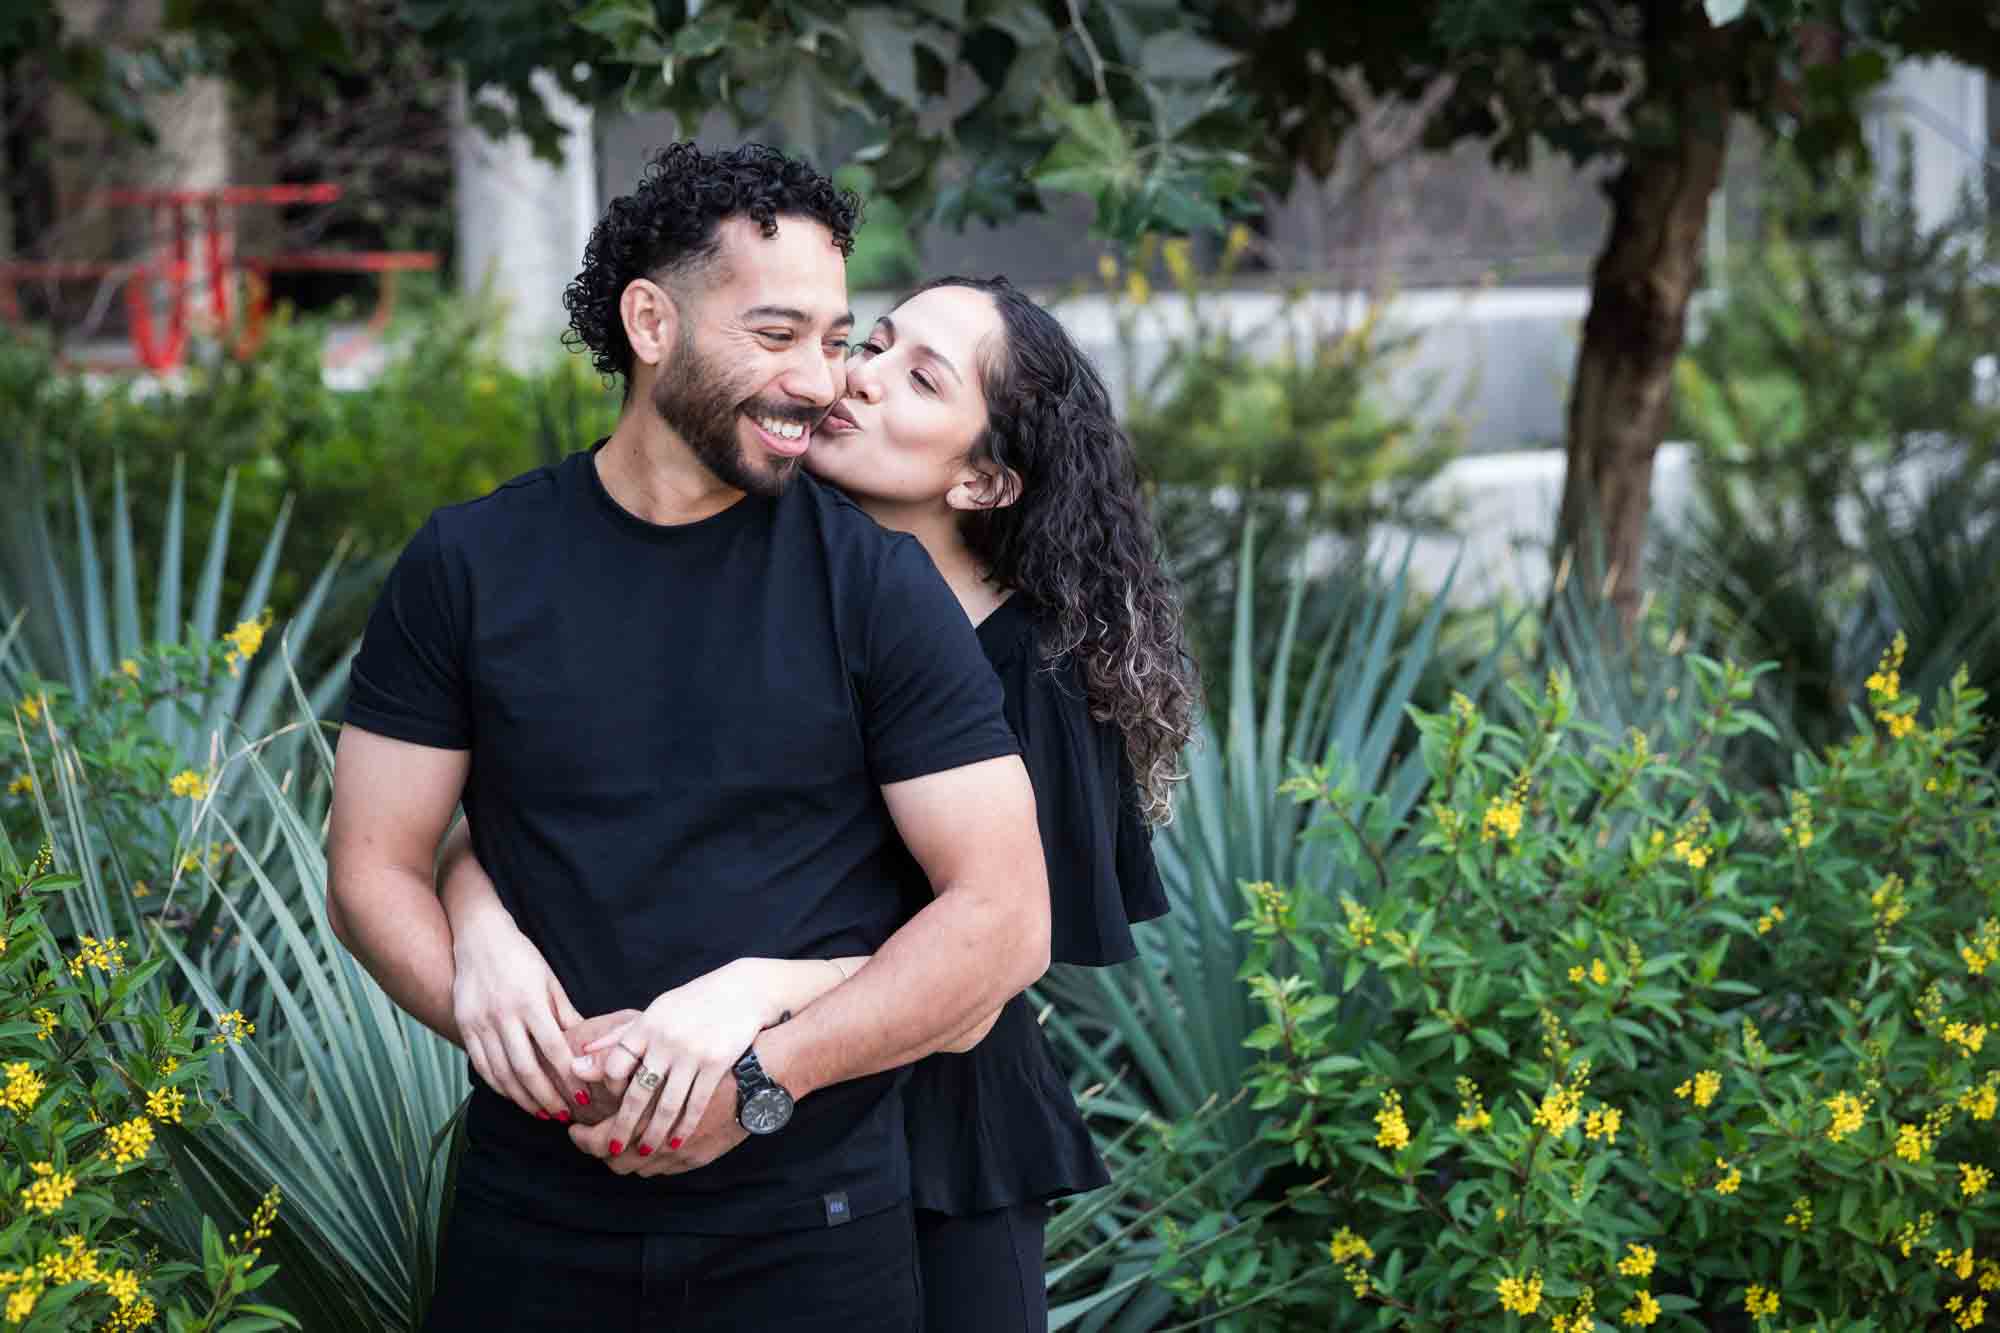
(838, 420)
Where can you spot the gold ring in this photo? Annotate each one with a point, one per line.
(648, 1079)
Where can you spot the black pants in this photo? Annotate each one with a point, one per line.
(500, 1271)
(983, 1273)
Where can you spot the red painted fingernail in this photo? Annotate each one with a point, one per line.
(563, 1116)
(582, 1097)
(616, 1147)
(540, 1114)
(673, 1143)
(645, 1150)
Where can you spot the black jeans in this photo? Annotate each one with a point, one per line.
(983, 1273)
(501, 1271)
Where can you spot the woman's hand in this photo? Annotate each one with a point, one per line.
(691, 1037)
(512, 1013)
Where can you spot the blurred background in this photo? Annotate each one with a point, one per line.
(1458, 340)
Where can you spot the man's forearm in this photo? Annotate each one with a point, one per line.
(965, 955)
(392, 922)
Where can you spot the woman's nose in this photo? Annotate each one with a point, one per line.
(862, 383)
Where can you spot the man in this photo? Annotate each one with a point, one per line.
(696, 706)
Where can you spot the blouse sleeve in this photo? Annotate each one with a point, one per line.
(1102, 877)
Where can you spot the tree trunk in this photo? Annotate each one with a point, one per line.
(1639, 293)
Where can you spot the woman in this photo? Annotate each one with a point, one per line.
(972, 421)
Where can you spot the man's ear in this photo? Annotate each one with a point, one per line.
(651, 319)
(984, 485)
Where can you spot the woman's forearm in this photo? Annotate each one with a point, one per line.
(464, 887)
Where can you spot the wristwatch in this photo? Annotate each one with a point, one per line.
(762, 1107)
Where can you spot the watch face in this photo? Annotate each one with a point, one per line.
(766, 1111)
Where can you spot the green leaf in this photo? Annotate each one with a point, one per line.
(1176, 56)
(887, 44)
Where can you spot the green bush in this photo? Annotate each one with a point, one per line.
(445, 420)
(93, 1069)
(1841, 362)
(1604, 1043)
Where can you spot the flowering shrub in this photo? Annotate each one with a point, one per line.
(138, 787)
(1607, 1045)
(80, 1113)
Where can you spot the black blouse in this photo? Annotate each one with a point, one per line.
(997, 1125)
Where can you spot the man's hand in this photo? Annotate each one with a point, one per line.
(717, 1133)
(513, 1015)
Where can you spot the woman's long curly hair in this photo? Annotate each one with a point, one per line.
(1079, 542)
(667, 228)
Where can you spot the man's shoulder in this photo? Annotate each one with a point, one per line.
(852, 539)
(500, 515)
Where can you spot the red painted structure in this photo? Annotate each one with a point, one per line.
(177, 216)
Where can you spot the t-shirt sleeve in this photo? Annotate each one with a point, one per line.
(929, 699)
(408, 680)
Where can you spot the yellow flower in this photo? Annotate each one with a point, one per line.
(1346, 1245)
(1770, 919)
(21, 786)
(169, 1065)
(1971, 1038)
(1643, 1313)
(1393, 1132)
(122, 1285)
(1899, 724)
(1179, 258)
(1520, 1296)
(1848, 1113)
(131, 1140)
(1360, 922)
(165, 1104)
(1107, 269)
(1638, 1261)
(1981, 1102)
(1238, 242)
(1973, 1180)
(1886, 683)
(245, 640)
(1576, 974)
(1911, 1144)
(1559, 1110)
(232, 1028)
(1138, 290)
(31, 707)
(1798, 830)
(1598, 972)
(1501, 820)
(188, 783)
(1702, 1088)
(1603, 1123)
(1472, 1113)
(72, 1263)
(1801, 1215)
(22, 1303)
(24, 1088)
(47, 1191)
(1761, 1302)
(130, 668)
(1955, 1263)
(45, 1023)
(105, 955)
(1967, 1314)
(1732, 1181)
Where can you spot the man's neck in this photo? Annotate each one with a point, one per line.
(650, 471)
(942, 535)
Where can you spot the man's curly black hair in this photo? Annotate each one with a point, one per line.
(668, 228)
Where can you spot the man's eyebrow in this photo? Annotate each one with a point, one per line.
(794, 315)
(923, 349)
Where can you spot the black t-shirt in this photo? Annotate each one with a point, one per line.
(678, 736)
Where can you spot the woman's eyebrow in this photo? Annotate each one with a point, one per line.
(923, 349)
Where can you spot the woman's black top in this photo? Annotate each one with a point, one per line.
(997, 1125)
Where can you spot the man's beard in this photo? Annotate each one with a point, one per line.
(695, 399)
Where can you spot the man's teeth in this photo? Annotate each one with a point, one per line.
(784, 430)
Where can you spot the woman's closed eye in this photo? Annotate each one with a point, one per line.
(866, 347)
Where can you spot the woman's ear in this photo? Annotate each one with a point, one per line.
(651, 319)
(984, 485)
